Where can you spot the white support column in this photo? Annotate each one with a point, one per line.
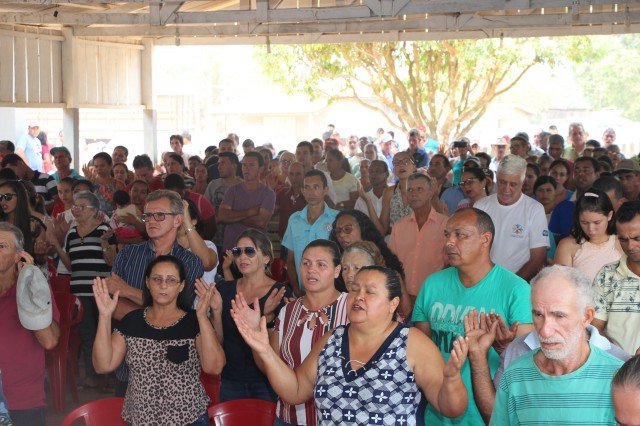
(71, 113)
(149, 114)
(71, 127)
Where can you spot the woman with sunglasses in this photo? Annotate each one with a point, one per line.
(241, 377)
(87, 254)
(304, 321)
(593, 242)
(353, 226)
(370, 371)
(165, 345)
(474, 185)
(16, 210)
(395, 204)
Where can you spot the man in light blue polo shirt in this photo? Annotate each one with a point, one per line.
(311, 223)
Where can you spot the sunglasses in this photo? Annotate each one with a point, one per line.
(347, 229)
(468, 181)
(8, 196)
(157, 216)
(249, 251)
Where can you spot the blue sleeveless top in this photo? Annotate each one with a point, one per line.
(383, 392)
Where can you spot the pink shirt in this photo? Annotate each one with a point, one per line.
(21, 357)
(421, 251)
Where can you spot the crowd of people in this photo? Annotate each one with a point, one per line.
(457, 287)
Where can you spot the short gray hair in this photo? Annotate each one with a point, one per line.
(92, 199)
(17, 234)
(419, 176)
(513, 165)
(172, 196)
(581, 283)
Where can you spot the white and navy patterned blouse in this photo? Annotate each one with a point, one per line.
(383, 392)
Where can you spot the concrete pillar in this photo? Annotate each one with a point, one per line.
(150, 132)
(71, 113)
(71, 127)
(149, 114)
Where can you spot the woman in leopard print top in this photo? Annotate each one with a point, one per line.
(164, 344)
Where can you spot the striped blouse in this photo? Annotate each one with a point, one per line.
(298, 330)
(87, 259)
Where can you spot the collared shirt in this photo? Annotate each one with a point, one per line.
(617, 299)
(73, 174)
(420, 157)
(421, 251)
(131, 262)
(32, 148)
(529, 342)
(300, 232)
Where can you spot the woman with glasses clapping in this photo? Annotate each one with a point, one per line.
(165, 345)
(241, 377)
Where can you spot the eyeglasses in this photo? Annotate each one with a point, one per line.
(8, 196)
(157, 280)
(157, 216)
(249, 251)
(81, 207)
(404, 162)
(347, 229)
(468, 182)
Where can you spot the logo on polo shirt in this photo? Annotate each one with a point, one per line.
(517, 230)
(328, 226)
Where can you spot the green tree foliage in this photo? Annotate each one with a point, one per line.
(609, 74)
(444, 85)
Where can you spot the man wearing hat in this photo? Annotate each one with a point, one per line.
(29, 147)
(62, 160)
(500, 148)
(628, 172)
(28, 326)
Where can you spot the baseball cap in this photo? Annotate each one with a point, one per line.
(627, 166)
(34, 124)
(60, 149)
(521, 136)
(34, 299)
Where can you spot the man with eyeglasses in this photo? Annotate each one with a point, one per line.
(248, 204)
(163, 216)
(418, 239)
(311, 223)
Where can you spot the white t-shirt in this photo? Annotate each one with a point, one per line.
(519, 227)
(362, 205)
(344, 186)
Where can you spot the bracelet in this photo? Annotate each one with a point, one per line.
(271, 324)
(189, 229)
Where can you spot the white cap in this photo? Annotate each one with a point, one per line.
(34, 299)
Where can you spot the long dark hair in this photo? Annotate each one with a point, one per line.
(21, 214)
(369, 232)
(184, 300)
(595, 201)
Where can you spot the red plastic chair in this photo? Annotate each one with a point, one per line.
(57, 359)
(279, 270)
(211, 385)
(61, 283)
(242, 412)
(102, 412)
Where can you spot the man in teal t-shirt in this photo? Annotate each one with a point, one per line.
(472, 282)
(568, 380)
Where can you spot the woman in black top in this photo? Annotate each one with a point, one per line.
(164, 344)
(252, 255)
